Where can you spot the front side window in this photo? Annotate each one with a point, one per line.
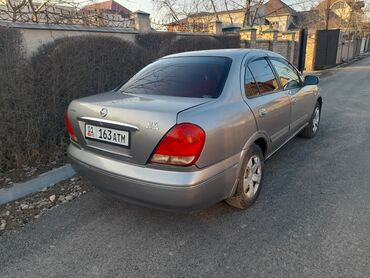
(289, 78)
(263, 76)
(198, 77)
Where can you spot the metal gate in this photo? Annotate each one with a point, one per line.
(302, 49)
(326, 48)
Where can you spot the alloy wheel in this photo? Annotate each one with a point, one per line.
(252, 176)
(316, 120)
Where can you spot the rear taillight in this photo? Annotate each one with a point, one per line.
(181, 146)
(69, 127)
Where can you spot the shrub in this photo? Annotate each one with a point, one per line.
(231, 41)
(76, 67)
(155, 44)
(161, 44)
(17, 129)
(192, 43)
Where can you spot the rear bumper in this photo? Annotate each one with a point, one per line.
(155, 187)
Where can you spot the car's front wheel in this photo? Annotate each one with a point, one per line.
(250, 179)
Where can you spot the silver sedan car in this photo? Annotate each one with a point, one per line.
(193, 129)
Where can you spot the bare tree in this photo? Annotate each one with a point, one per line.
(349, 17)
(21, 8)
(250, 9)
(356, 21)
(228, 12)
(185, 13)
(169, 6)
(254, 16)
(15, 7)
(176, 8)
(327, 14)
(60, 12)
(214, 9)
(36, 9)
(247, 13)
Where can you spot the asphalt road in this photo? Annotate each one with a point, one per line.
(312, 218)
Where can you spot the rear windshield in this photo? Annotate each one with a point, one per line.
(199, 77)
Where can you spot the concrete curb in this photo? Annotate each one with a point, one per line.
(19, 190)
(321, 73)
(350, 62)
(327, 72)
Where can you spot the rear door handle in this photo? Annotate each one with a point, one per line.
(294, 100)
(262, 112)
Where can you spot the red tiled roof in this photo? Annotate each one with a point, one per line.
(108, 6)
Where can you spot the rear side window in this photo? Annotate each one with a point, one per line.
(199, 77)
(250, 85)
(289, 77)
(263, 76)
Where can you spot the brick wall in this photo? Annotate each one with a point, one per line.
(273, 40)
(282, 47)
(310, 51)
(263, 44)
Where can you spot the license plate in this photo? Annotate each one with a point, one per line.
(110, 135)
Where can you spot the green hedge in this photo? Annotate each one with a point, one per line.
(17, 128)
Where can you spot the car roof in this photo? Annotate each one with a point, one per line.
(235, 53)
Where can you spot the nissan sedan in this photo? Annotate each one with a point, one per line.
(193, 129)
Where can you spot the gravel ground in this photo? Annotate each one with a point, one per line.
(16, 214)
(29, 171)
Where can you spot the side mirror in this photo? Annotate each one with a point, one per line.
(311, 80)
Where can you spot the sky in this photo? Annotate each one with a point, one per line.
(143, 5)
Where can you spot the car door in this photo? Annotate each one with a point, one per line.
(300, 97)
(270, 105)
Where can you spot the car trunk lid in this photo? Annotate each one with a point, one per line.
(146, 119)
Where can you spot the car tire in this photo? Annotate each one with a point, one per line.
(312, 128)
(250, 179)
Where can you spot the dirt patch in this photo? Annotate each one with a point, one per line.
(16, 214)
(29, 171)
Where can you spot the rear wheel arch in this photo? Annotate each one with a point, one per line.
(241, 196)
(262, 143)
(259, 138)
(319, 100)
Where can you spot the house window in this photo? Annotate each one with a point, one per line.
(275, 25)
